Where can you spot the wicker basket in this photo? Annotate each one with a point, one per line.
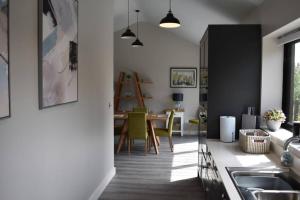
(254, 141)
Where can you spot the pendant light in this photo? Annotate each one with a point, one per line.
(169, 21)
(137, 42)
(128, 34)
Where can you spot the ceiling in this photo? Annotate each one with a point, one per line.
(194, 15)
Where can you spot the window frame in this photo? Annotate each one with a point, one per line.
(288, 83)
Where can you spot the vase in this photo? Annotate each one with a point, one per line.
(273, 125)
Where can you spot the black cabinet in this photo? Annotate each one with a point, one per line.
(230, 74)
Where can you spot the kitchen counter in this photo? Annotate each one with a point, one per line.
(230, 155)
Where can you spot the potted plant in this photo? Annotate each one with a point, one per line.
(274, 119)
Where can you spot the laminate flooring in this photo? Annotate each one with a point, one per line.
(167, 176)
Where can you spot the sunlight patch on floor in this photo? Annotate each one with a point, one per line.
(185, 159)
(185, 147)
(183, 173)
(184, 163)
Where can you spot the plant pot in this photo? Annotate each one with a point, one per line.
(273, 125)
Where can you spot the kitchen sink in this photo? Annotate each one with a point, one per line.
(262, 182)
(282, 195)
(265, 184)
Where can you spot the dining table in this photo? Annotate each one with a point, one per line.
(151, 118)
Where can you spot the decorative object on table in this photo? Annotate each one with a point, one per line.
(177, 98)
(274, 119)
(128, 34)
(254, 141)
(183, 77)
(169, 21)
(137, 42)
(227, 128)
(4, 61)
(58, 52)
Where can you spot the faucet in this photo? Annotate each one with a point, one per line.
(290, 140)
(286, 157)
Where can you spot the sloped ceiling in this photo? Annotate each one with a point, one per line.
(194, 15)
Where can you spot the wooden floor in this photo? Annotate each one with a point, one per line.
(167, 176)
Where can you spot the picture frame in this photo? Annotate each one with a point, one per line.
(58, 52)
(183, 77)
(5, 105)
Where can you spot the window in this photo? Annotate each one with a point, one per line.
(296, 96)
(291, 81)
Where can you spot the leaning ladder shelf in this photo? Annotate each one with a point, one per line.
(139, 97)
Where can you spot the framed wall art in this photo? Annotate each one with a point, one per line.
(58, 52)
(183, 77)
(4, 60)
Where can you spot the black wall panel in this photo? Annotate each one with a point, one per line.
(234, 72)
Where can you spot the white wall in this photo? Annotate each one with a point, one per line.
(273, 14)
(272, 74)
(64, 152)
(161, 51)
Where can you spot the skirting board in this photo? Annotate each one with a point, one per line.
(99, 190)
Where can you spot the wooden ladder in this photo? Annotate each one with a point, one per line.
(138, 90)
(118, 91)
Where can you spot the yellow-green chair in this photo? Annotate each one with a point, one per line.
(140, 109)
(137, 128)
(194, 121)
(167, 132)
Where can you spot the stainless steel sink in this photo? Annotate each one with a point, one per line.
(265, 184)
(271, 195)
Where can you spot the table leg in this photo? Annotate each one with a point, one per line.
(122, 135)
(152, 135)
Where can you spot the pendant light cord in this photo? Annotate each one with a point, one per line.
(170, 5)
(137, 23)
(128, 14)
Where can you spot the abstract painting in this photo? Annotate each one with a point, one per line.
(58, 52)
(183, 77)
(4, 61)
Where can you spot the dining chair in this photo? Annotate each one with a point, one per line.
(167, 132)
(140, 109)
(137, 128)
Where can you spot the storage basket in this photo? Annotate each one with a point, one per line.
(254, 141)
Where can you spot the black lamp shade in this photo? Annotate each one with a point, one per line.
(169, 21)
(137, 43)
(177, 97)
(128, 34)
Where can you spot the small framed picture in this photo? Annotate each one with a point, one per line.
(183, 77)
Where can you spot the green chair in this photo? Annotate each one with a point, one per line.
(194, 121)
(137, 128)
(140, 109)
(167, 132)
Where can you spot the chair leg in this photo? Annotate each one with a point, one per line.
(129, 145)
(146, 146)
(158, 140)
(149, 144)
(171, 143)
